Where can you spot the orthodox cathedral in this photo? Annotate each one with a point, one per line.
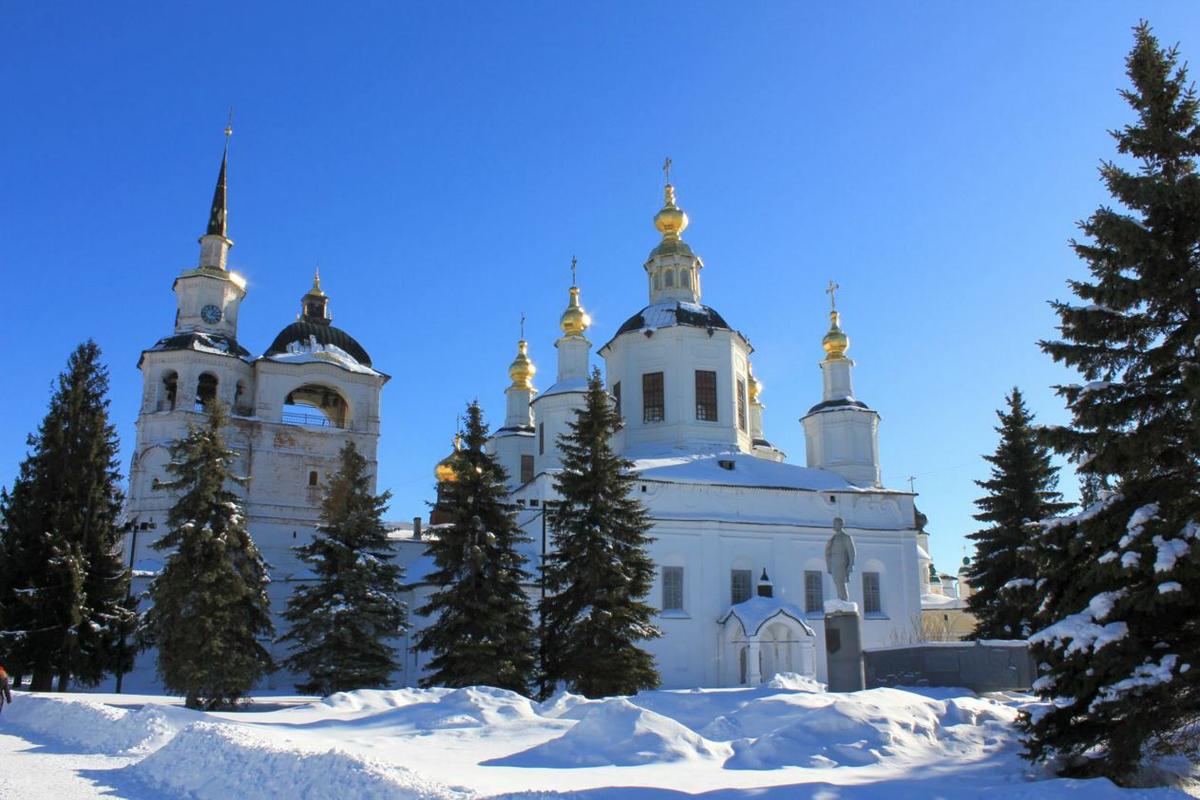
(739, 534)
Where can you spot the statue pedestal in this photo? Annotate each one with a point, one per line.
(843, 647)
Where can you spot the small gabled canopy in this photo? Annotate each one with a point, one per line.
(755, 613)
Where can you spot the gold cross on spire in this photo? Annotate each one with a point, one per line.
(666, 168)
(229, 124)
(522, 324)
(831, 290)
(574, 261)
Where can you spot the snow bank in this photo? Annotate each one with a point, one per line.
(96, 727)
(430, 709)
(210, 761)
(616, 732)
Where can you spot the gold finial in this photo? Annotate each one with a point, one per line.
(671, 220)
(229, 125)
(836, 342)
(574, 320)
(522, 370)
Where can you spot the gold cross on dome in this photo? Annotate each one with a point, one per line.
(522, 324)
(832, 292)
(574, 261)
(666, 168)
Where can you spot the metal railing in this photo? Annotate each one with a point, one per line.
(313, 420)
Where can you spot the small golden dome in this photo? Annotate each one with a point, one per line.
(671, 220)
(315, 291)
(836, 343)
(444, 471)
(755, 388)
(522, 370)
(574, 320)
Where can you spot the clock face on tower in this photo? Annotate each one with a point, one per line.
(210, 314)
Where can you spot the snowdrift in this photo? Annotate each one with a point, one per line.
(428, 709)
(211, 761)
(616, 732)
(96, 727)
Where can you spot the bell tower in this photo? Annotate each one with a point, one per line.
(208, 297)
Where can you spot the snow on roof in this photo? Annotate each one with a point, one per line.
(565, 387)
(756, 612)
(747, 470)
(312, 351)
(941, 601)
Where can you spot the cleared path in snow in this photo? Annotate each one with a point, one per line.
(32, 771)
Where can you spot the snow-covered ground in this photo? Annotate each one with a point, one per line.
(788, 739)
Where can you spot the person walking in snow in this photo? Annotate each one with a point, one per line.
(5, 689)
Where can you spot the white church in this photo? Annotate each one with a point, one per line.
(739, 534)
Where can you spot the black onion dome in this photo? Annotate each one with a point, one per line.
(301, 332)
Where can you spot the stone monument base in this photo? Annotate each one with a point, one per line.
(843, 649)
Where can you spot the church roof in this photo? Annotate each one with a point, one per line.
(756, 612)
(674, 312)
(302, 332)
(833, 405)
(202, 342)
(734, 469)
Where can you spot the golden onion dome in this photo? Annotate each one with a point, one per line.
(522, 370)
(444, 471)
(836, 342)
(315, 291)
(574, 320)
(671, 220)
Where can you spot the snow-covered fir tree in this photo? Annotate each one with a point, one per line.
(1122, 647)
(210, 613)
(482, 631)
(1021, 491)
(597, 572)
(63, 585)
(344, 626)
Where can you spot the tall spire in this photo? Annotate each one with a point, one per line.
(215, 243)
(217, 223)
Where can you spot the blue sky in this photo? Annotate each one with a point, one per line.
(443, 162)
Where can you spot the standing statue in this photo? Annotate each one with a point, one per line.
(839, 558)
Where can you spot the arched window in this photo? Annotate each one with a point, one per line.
(669, 279)
(168, 392)
(312, 477)
(241, 401)
(316, 405)
(206, 391)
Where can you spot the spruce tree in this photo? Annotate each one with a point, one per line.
(1122, 645)
(344, 625)
(597, 572)
(210, 609)
(480, 630)
(63, 587)
(1021, 492)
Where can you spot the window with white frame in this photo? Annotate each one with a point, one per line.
(672, 588)
(739, 586)
(814, 592)
(872, 597)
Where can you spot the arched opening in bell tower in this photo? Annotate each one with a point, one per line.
(168, 391)
(206, 391)
(315, 405)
